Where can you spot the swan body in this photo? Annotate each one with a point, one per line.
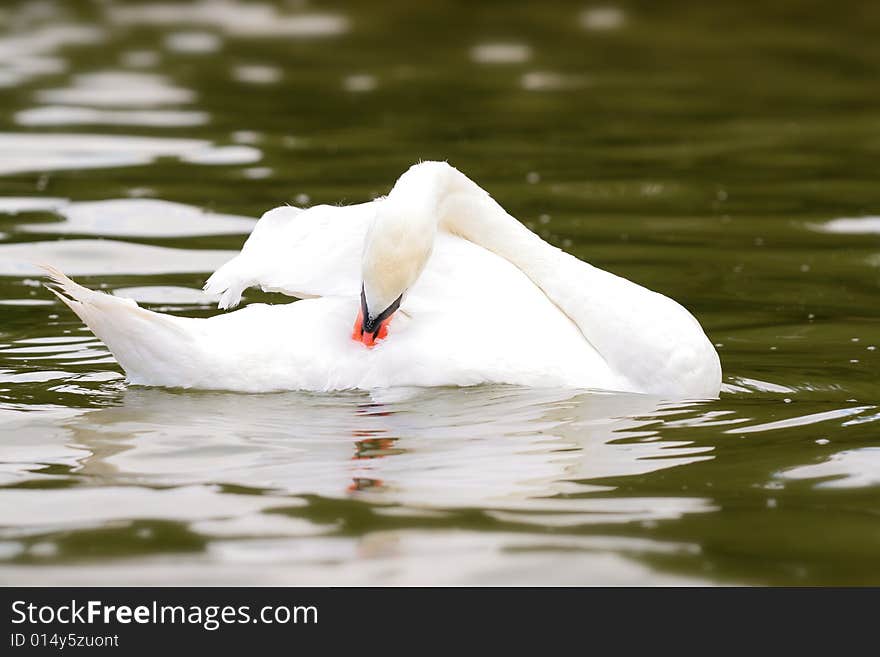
(481, 300)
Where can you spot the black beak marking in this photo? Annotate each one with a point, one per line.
(372, 324)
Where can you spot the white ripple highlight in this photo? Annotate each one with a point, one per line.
(801, 420)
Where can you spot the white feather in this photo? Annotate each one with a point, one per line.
(301, 253)
(493, 303)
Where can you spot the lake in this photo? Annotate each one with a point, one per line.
(726, 156)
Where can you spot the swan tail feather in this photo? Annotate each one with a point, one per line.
(149, 346)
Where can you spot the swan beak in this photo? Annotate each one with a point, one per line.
(374, 328)
(369, 338)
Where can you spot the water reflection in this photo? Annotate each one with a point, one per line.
(854, 468)
(229, 466)
(233, 17)
(851, 226)
(69, 115)
(501, 53)
(97, 256)
(23, 152)
(193, 42)
(257, 74)
(30, 52)
(600, 19)
(102, 90)
(135, 218)
(438, 448)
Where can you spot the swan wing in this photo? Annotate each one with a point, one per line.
(472, 318)
(301, 253)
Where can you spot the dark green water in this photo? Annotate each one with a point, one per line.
(724, 155)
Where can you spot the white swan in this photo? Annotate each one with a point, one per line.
(481, 299)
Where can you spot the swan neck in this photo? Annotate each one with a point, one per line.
(467, 210)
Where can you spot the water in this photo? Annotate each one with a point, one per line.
(724, 156)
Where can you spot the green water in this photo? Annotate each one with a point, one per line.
(705, 151)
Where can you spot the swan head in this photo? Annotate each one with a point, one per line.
(396, 249)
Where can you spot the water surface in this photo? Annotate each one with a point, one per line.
(726, 156)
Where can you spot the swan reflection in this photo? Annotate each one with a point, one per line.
(353, 487)
(499, 447)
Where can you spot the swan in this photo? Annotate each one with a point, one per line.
(434, 284)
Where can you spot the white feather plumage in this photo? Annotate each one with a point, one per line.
(494, 303)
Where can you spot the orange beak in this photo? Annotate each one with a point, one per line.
(366, 338)
(376, 327)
